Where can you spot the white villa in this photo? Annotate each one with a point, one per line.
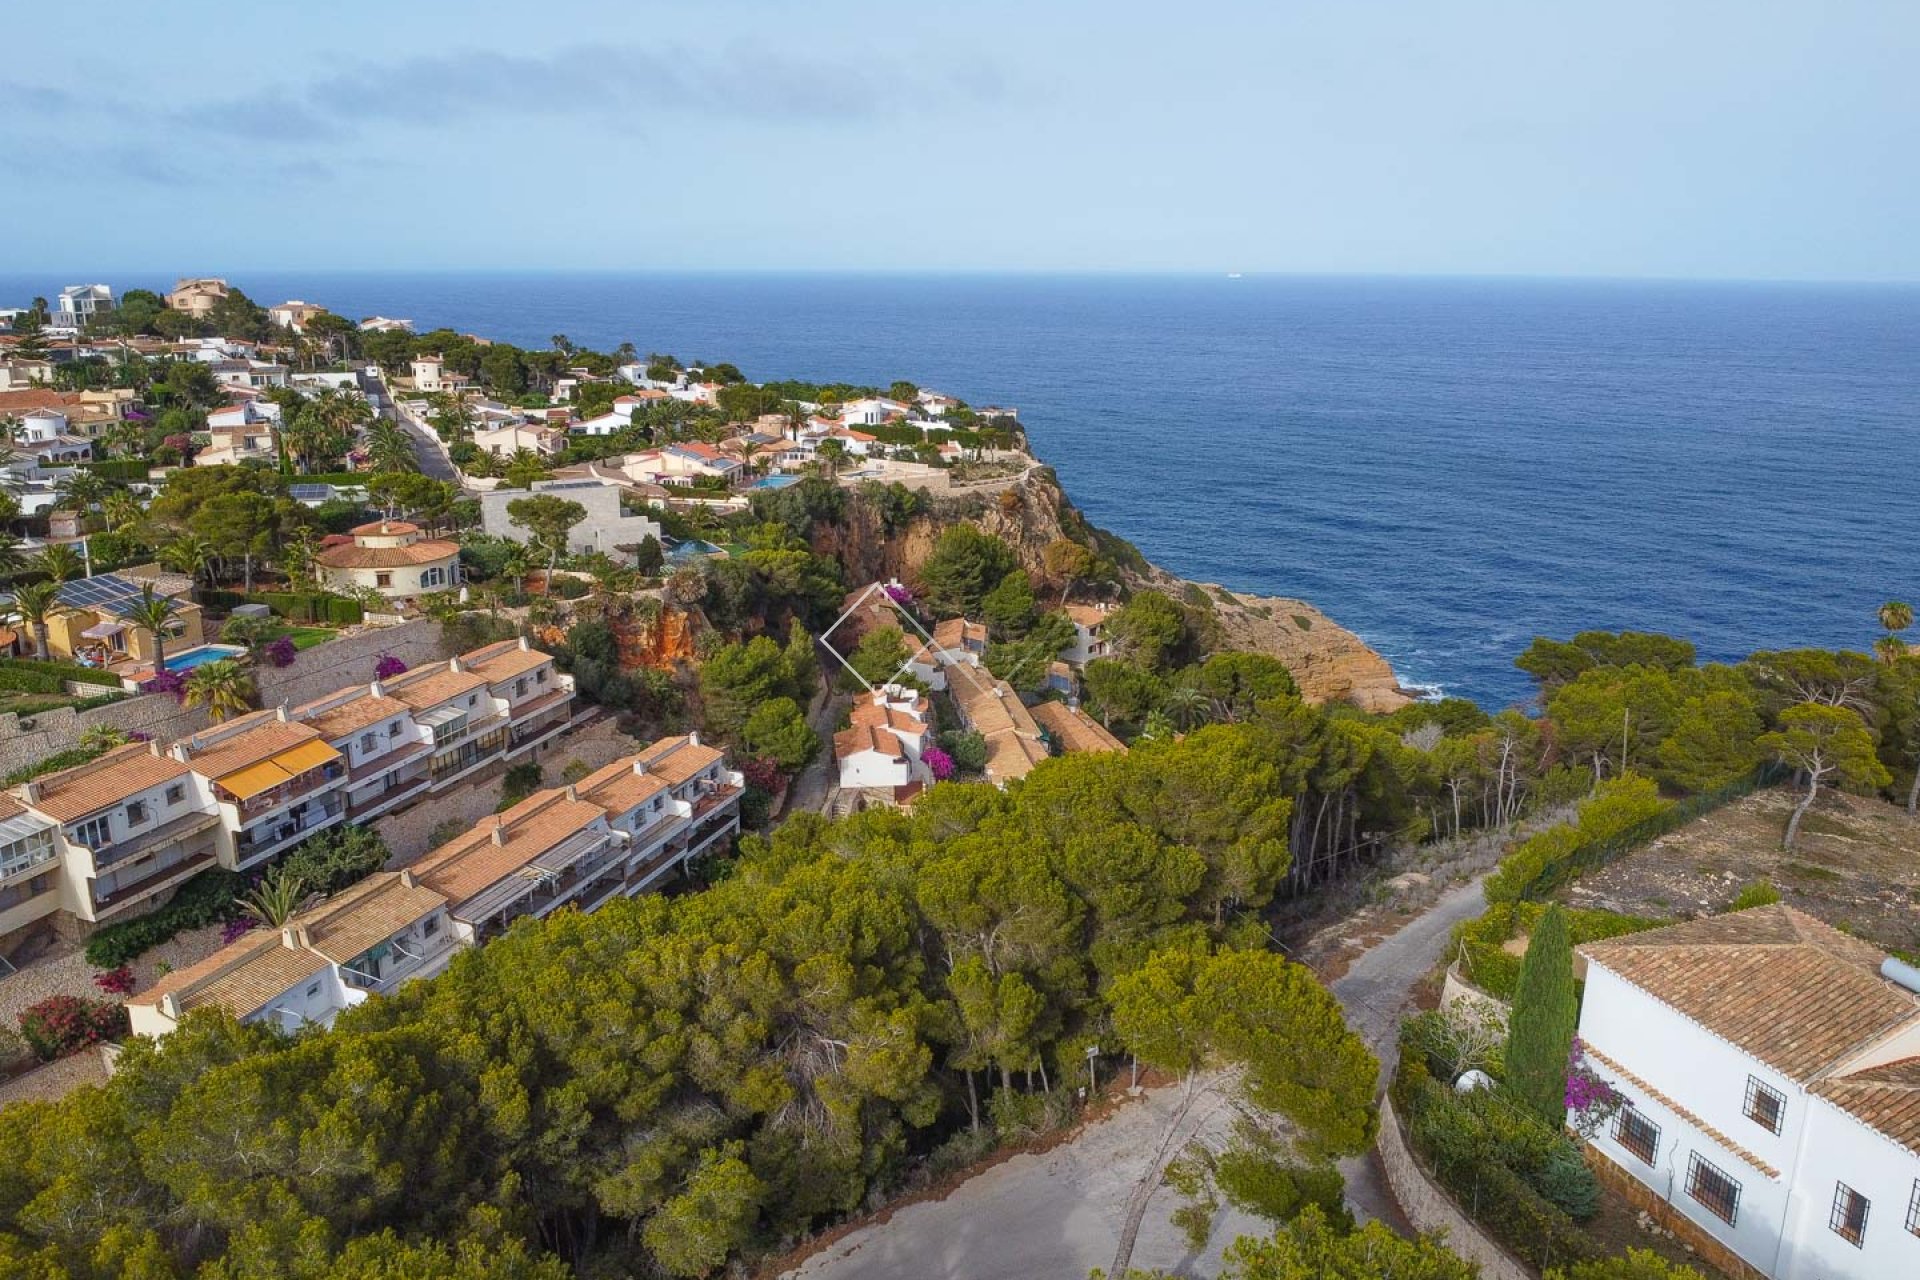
(606, 527)
(1771, 1067)
(392, 557)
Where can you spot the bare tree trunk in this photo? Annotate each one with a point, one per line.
(1800, 811)
(973, 1104)
(1913, 794)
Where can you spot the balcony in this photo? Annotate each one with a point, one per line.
(169, 832)
(250, 846)
(306, 784)
(409, 790)
(124, 896)
(387, 761)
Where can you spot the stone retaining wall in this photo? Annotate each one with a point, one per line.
(1456, 989)
(156, 714)
(1682, 1228)
(1430, 1209)
(327, 668)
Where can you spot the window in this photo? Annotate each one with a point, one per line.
(429, 926)
(369, 742)
(136, 813)
(1636, 1133)
(382, 579)
(95, 833)
(473, 699)
(1913, 1209)
(520, 687)
(1715, 1191)
(1849, 1216)
(313, 991)
(1765, 1107)
(176, 793)
(540, 676)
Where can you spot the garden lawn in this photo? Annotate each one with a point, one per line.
(307, 637)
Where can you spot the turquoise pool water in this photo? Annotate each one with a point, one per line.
(776, 482)
(201, 655)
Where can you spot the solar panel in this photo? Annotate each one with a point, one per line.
(547, 486)
(100, 590)
(310, 492)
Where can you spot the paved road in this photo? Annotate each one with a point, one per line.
(426, 445)
(1058, 1214)
(1374, 993)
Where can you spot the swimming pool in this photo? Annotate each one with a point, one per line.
(776, 482)
(201, 655)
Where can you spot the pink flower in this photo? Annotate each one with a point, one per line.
(938, 763)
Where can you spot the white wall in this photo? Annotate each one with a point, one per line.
(1708, 1077)
(1838, 1149)
(872, 769)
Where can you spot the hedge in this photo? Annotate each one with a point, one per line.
(1469, 1152)
(33, 675)
(1487, 965)
(300, 606)
(1559, 855)
(120, 468)
(54, 763)
(208, 898)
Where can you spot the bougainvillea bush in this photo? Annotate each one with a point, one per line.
(115, 982)
(388, 667)
(762, 773)
(166, 682)
(939, 763)
(61, 1025)
(281, 652)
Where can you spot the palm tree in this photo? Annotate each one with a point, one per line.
(124, 439)
(749, 449)
(121, 509)
(190, 554)
(59, 561)
(1186, 704)
(153, 613)
(1890, 648)
(517, 566)
(390, 448)
(222, 687)
(11, 559)
(36, 603)
(1896, 615)
(82, 488)
(832, 454)
(273, 903)
(296, 557)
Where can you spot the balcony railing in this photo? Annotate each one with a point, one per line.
(122, 896)
(169, 832)
(254, 843)
(307, 783)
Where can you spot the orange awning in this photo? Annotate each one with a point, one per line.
(308, 755)
(246, 783)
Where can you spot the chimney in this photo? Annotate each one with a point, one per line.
(33, 790)
(376, 690)
(693, 739)
(500, 835)
(525, 644)
(154, 748)
(406, 879)
(572, 794)
(280, 713)
(454, 663)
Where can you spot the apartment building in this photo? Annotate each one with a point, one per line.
(364, 941)
(111, 837)
(275, 782)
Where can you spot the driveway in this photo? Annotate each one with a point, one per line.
(1059, 1213)
(1374, 993)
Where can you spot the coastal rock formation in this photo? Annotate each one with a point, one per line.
(1328, 662)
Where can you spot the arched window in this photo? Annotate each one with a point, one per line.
(434, 577)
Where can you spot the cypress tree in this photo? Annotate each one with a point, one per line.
(1540, 1029)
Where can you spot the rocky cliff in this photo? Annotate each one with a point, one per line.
(1031, 511)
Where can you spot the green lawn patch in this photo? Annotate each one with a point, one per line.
(307, 637)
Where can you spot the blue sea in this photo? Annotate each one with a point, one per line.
(1446, 466)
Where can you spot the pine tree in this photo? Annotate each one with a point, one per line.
(1540, 1029)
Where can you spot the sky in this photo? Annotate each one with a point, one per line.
(1744, 139)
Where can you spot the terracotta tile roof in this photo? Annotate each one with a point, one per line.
(385, 528)
(677, 759)
(9, 807)
(953, 633)
(230, 754)
(425, 687)
(349, 717)
(617, 788)
(860, 738)
(874, 715)
(992, 707)
(1011, 756)
(1886, 1097)
(504, 661)
(25, 399)
(358, 557)
(1073, 729)
(362, 917)
(98, 784)
(472, 862)
(1087, 615)
(242, 979)
(1701, 1125)
(1792, 991)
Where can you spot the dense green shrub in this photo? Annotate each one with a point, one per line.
(57, 761)
(299, 606)
(331, 860)
(1486, 963)
(566, 588)
(1760, 893)
(32, 675)
(208, 898)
